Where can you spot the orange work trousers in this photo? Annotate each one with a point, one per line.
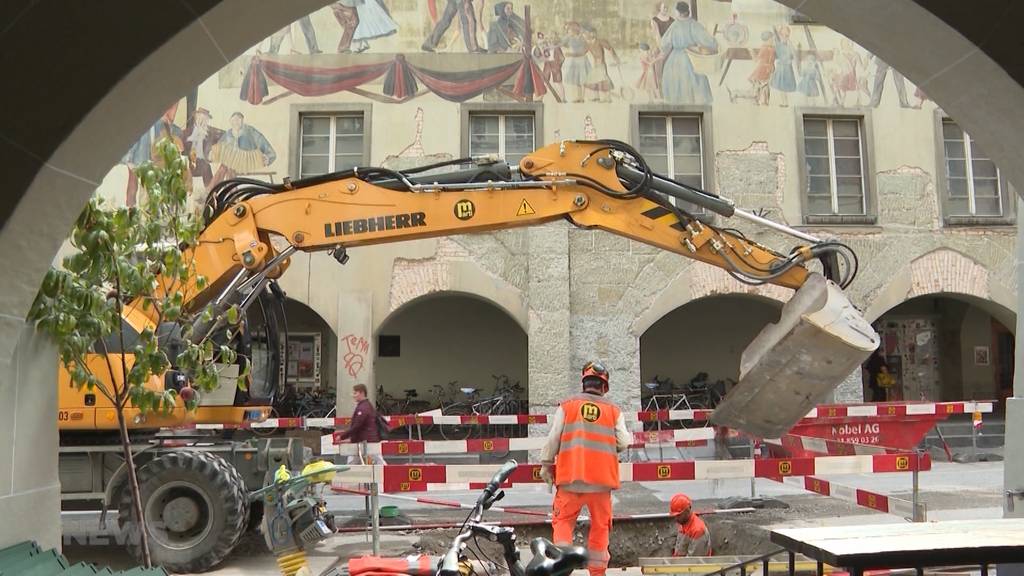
(567, 507)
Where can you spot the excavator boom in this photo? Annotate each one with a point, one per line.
(606, 184)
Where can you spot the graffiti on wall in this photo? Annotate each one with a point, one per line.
(357, 347)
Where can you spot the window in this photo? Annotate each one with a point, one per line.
(673, 146)
(834, 163)
(510, 136)
(331, 143)
(389, 346)
(973, 189)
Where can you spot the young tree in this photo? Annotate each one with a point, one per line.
(137, 260)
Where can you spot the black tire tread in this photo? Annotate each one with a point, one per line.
(229, 489)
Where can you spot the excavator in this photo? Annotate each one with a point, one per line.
(194, 488)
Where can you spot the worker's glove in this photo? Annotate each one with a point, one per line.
(547, 474)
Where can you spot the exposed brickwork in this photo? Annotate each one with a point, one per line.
(948, 271)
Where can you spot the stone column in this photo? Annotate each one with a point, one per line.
(29, 484)
(1013, 449)
(355, 347)
(548, 333)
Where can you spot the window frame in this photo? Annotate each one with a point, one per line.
(467, 109)
(1008, 196)
(707, 145)
(863, 117)
(296, 113)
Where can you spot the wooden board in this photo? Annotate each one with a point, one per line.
(909, 545)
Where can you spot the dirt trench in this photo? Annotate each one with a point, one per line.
(630, 541)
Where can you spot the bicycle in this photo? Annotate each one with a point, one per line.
(548, 559)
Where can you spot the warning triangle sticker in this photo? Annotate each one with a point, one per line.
(525, 209)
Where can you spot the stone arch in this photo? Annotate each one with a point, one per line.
(412, 279)
(698, 281)
(941, 271)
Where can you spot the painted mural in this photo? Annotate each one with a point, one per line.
(560, 52)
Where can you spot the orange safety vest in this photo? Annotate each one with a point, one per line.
(587, 452)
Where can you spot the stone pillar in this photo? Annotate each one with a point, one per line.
(355, 347)
(548, 347)
(29, 484)
(1013, 450)
(850, 390)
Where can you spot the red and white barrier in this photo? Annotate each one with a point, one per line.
(821, 413)
(329, 444)
(865, 498)
(420, 478)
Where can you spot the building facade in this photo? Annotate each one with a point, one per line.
(745, 98)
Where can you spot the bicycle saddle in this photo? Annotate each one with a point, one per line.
(551, 560)
(411, 392)
(468, 390)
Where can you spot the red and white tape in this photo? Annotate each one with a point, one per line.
(419, 478)
(865, 498)
(329, 443)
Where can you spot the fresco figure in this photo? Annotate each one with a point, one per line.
(648, 81)
(659, 25)
(374, 22)
(598, 79)
(660, 22)
(576, 67)
(306, 25)
(881, 69)
(506, 31)
(200, 138)
(242, 149)
(467, 24)
(549, 57)
(810, 77)
(783, 78)
(764, 67)
(847, 78)
(144, 149)
(347, 14)
(680, 83)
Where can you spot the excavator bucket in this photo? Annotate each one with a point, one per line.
(792, 365)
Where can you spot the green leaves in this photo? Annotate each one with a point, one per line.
(134, 263)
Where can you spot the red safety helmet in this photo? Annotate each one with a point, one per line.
(595, 370)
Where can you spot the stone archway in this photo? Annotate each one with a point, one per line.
(705, 335)
(946, 346)
(940, 271)
(449, 336)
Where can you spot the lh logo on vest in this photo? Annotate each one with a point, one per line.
(590, 412)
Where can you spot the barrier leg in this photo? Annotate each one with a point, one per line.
(375, 514)
(753, 480)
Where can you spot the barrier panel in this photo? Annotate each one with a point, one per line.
(421, 477)
(865, 498)
(825, 415)
(329, 444)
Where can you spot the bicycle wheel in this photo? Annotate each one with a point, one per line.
(456, 431)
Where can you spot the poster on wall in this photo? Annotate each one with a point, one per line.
(981, 355)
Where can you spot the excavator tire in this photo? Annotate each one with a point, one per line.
(196, 509)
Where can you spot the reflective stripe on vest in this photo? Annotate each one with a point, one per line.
(587, 450)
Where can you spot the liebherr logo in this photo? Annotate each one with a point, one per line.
(375, 224)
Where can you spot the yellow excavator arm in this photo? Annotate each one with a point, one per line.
(595, 184)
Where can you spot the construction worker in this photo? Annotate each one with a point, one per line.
(587, 433)
(694, 539)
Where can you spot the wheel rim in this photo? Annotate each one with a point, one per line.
(179, 515)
